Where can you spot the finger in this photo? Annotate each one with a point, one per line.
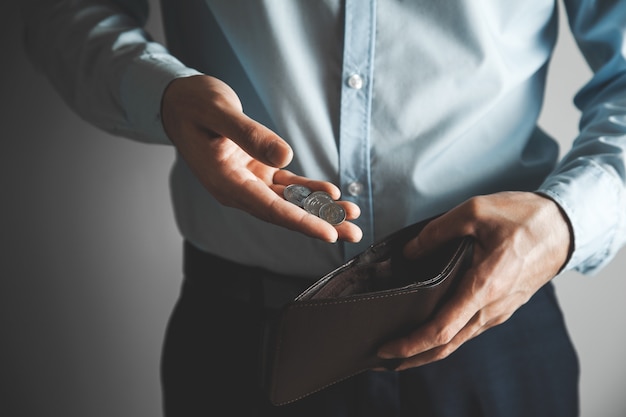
(284, 177)
(346, 230)
(270, 207)
(440, 352)
(314, 226)
(352, 210)
(257, 140)
(470, 332)
(349, 232)
(275, 209)
(492, 315)
(450, 225)
(453, 316)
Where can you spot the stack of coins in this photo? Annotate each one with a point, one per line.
(318, 203)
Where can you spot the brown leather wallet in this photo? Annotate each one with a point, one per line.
(333, 329)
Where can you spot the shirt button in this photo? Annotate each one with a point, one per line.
(355, 188)
(355, 81)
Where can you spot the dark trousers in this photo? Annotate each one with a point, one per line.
(524, 367)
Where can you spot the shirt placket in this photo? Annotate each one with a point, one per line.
(356, 104)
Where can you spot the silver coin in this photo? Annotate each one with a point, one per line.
(314, 201)
(296, 193)
(333, 213)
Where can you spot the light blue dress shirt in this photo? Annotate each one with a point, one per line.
(410, 107)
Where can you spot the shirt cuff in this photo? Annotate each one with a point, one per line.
(591, 198)
(141, 92)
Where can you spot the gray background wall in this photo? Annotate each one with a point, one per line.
(90, 257)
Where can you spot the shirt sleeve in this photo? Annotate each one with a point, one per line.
(102, 62)
(589, 182)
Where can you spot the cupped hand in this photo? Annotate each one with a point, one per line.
(522, 241)
(239, 161)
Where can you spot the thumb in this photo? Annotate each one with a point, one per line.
(210, 104)
(256, 139)
(435, 233)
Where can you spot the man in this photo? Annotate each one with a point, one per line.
(402, 110)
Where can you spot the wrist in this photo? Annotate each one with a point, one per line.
(560, 227)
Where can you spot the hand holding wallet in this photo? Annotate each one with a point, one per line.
(333, 329)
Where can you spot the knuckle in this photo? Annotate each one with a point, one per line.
(406, 351)
(481, 319)
(475, 206)
(473, 214)
(253, 133)
(495, 289)
(444, 352)
(478, 319)
(443, 336)
(219, 100)
(497, 321)
(503, 318)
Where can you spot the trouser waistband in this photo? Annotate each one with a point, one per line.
(224, 278)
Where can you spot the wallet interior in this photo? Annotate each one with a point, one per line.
(387, 271)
